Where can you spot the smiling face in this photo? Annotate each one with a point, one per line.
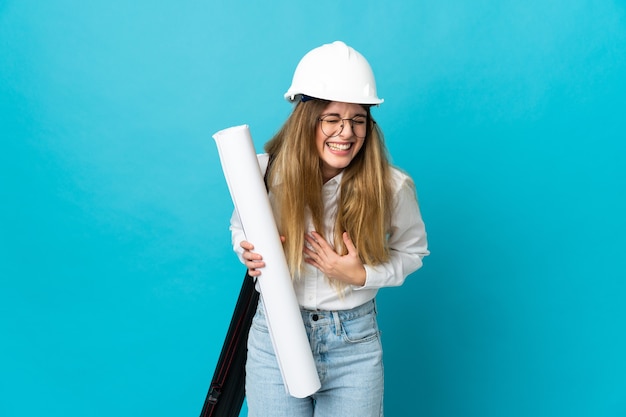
(337, 152)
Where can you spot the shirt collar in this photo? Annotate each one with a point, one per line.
(334, 181)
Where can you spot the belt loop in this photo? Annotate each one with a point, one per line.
(337, 322)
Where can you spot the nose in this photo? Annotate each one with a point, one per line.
(346, 128)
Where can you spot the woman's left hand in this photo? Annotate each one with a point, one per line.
(346, 268)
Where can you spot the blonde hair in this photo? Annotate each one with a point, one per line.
(294, 178)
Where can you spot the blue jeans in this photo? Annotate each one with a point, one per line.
(348, 354)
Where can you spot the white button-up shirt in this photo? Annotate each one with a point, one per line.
(407, 245)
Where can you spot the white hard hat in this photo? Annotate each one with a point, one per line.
(334, 72)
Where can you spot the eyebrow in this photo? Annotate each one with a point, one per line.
(338, 115)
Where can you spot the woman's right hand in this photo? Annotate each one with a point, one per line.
(252, 260)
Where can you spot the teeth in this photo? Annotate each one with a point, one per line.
(339, 146)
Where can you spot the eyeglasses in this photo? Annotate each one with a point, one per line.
(332, 125)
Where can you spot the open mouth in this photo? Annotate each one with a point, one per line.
(339, 146)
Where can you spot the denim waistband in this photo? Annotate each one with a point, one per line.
(343, 315)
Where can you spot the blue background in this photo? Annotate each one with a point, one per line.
(117, 277)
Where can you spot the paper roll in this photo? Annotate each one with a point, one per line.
(247, 189)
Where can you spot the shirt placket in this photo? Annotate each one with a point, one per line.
(314, 284)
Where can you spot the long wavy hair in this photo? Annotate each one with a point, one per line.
(294, 178)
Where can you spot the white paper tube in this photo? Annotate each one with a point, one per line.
(247, 189)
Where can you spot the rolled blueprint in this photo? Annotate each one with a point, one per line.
(247, 189)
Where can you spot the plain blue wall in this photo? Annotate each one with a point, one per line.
(117, 278)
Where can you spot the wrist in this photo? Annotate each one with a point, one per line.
(360, 277)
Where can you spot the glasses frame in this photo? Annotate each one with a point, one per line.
(351, 119)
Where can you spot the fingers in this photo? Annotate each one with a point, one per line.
(311, 256)
(349, 244)
(319, 253)
(316, 241)
(246, 245)
(248, 255)
(254, 272)
(252, 260)
(347, 268)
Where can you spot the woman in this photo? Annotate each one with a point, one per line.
(350, 224)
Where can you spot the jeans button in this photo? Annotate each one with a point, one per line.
(315, 317)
